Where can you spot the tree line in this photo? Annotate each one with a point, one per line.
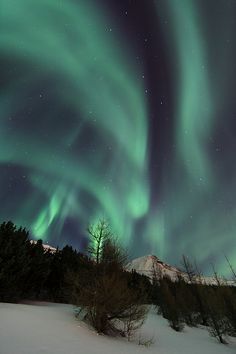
(111, 299)
(191, 301)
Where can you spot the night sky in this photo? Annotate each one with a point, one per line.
(124, 110)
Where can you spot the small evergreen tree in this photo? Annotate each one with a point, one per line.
(64, 263)
(186, 303)
(230, 305)
(168, 305)
(217, 322)
(40, 259)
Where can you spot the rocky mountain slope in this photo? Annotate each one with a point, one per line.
(152, 266)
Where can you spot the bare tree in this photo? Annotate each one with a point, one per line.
(188, 268)
(106, 300)
(218, 281)
(231, 268)
(99, 233)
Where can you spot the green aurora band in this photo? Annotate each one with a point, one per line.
(85, 154)
(199, 212)
(96, 82)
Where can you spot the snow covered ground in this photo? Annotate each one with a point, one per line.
(52, 329)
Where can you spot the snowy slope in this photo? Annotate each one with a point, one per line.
(52, 329)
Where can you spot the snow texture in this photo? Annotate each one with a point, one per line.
(52, 329)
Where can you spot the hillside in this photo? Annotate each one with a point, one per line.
(52, 329)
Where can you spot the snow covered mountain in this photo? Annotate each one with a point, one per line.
(152, 266)
(47, 247)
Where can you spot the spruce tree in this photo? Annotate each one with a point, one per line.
(14, 261)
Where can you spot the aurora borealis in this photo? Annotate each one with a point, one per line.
(123, 110)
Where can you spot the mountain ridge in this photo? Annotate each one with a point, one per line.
(154, 267)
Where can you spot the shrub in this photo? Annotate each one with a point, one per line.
(218, 325)
(105, 298)
(169, 306)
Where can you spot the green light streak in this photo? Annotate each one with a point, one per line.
(70, 44)
(196, 197)
(85, 152)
